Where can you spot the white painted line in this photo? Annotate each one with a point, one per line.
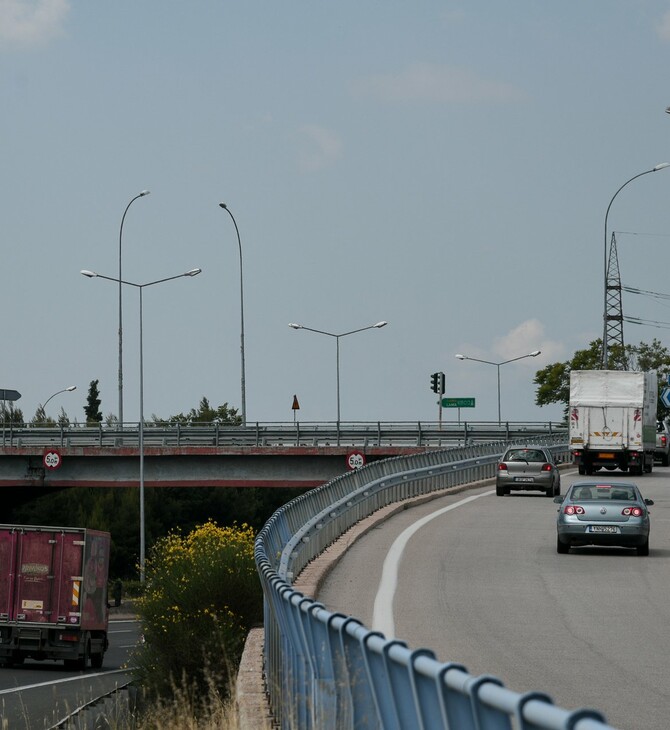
(78, 678)
(382, 615)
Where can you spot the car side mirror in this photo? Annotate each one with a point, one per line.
(649, 502)
(558, 499)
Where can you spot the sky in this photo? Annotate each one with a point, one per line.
(442, 166)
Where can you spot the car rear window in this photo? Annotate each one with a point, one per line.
(525, 455)
(605, 491)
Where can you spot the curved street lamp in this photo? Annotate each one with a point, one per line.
(658, 167)
(140, 288)
(242, 376)
(139, 195)
(337, 338)
(69, 389)
(535, 353)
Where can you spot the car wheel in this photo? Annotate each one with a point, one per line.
(500, 491)
(562, 547)
(643, 549)
(550, 492)
(665, 460)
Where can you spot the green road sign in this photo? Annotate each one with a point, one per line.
(458, 402)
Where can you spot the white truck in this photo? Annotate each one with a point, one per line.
(613, 420)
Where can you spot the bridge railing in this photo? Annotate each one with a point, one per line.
(316, 434)
(326, 671)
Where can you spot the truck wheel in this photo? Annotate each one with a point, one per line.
(581, 469)
(96, 660)
(85, 659)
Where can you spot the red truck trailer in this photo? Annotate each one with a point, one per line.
(53, 595)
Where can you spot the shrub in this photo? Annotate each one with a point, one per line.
(201, 598)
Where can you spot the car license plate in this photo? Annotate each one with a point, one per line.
(609, 529)
(605, 456)
(524, 479)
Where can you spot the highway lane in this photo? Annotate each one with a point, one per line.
(482, 585)
(39, 694)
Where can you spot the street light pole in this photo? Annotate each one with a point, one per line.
(140, 195)
(141, 287)
(660, 166)
(535, 353)
(242, 376)
(337, 339)
(69, 389)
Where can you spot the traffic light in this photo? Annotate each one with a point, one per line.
(437, 383)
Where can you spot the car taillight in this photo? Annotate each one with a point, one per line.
(664, 440)
(502, 467)
(632, 512)
(546, 467)
(574, 509)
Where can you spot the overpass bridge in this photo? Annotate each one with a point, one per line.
(300, 455)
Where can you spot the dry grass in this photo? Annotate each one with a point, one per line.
(186, 711)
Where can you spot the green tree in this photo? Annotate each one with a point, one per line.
(92, 407)
(63, 418)
(9, 414)
(204, 414)
(553, 381)
(41, 419)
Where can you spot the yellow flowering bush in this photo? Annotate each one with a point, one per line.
(202, 596)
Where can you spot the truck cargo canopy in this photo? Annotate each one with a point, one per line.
(607, 388)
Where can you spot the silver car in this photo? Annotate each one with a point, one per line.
(528, 468)
(603, 513)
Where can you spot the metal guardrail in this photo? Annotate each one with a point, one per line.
(326, 671)
(317, 434)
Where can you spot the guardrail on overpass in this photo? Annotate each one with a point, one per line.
(327, 671)
(404, 433)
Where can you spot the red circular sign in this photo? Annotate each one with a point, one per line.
(355, 460)
(52, 459)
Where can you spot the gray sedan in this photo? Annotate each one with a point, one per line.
(528, 468)
(603, 513)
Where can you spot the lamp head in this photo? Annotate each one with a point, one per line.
(535, 353)
(144, 192)
(71, 388)
(460, 357)
(193, 272)
(661, 165)
(295, 326)
(90, 274)
(223, 205)
(380, 324)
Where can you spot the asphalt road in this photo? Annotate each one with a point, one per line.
(482, 584)
(39, 694)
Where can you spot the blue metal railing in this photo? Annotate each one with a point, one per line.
(326, 671)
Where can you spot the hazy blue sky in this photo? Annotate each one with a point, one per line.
(444, 166)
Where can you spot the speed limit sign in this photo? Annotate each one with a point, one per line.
(52, 459)
(355, 460)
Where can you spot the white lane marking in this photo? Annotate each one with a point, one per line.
(382, 615)
(79, 677)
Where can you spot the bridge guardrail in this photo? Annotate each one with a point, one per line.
(327, 671)
(317, 434)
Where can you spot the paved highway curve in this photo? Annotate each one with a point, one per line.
(40, 694)
(482, 584)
